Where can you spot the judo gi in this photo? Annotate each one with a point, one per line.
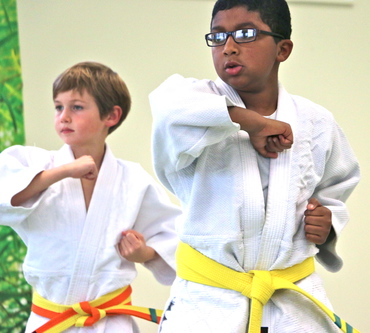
(72, 254)
(245, 211)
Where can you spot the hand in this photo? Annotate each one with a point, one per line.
(83, 167)
(317, 222)
(132, 247)
(277, 144)
(273, 138)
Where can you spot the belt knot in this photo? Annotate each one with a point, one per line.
(89, 315)
(262, 287)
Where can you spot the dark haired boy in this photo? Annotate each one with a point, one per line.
(258, 207)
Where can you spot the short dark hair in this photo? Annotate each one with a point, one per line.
(274, 13)
(101, 82)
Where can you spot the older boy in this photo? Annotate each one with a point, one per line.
(258, 207)
(71, 206)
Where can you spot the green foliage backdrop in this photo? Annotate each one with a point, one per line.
(11, 106)
(15, 293)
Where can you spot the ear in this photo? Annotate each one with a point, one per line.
(285, 48)
(114, 116)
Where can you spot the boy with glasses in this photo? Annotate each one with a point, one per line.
(258, 207)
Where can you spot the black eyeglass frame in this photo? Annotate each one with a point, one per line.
(232, 34)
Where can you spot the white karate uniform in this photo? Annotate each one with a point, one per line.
(72, 254)
(211, 166)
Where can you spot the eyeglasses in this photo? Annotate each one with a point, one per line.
(240, 36)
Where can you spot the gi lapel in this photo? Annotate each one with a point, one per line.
(72, 194)
(253, 214)
(93, 230)
(277, 219)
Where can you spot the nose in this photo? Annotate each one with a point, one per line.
(230, 47)
(64, 116)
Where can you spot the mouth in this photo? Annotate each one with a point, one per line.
(233, 68)
(66, 131)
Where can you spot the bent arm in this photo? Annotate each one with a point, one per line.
(156, 220)
(83, 167)
(261, 130)
(190, 115)
(341, 176)
(40, 183)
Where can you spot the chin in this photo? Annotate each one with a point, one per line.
(235, 82)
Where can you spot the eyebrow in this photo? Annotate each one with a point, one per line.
(73, 101)
(244, 25)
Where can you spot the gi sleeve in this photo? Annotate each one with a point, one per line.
(18, 166)
(156, 220)
(188, 116)
(341, 175)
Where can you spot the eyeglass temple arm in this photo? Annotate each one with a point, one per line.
(271, 34)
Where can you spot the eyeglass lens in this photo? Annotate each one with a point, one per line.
(239, 36)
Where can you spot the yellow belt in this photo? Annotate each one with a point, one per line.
(88, 313)
(257, 285)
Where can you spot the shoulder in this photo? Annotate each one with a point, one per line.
(177, 79)
(27, 153)
(314, 120)
(129, 165)
(23, 150)
(26, 157)
(134, 170)
(316, 124)
(310, 109)
(177, 82)
(136, 178)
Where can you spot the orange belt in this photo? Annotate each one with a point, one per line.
(88, 313)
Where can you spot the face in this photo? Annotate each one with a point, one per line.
(247, 67)
(77, 120)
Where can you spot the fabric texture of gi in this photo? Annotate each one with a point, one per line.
(72, 255)
(211, 166)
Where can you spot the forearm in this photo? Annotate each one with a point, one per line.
(40, 183)
(149, 254)
(249, 121)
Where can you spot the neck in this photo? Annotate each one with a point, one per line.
(97, 153)
(263, 102)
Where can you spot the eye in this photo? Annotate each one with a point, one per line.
(77, 107)
(218, 38)
(245, 34)
(58, 108)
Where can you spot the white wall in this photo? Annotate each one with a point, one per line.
(147, 40)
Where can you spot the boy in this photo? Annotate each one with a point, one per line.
(258, 206)
(71, 207)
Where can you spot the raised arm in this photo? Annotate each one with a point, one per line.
(190, 115)
(268, 136)
(83, 167)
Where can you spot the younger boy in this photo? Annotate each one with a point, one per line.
(71, 206)
(255, 201)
